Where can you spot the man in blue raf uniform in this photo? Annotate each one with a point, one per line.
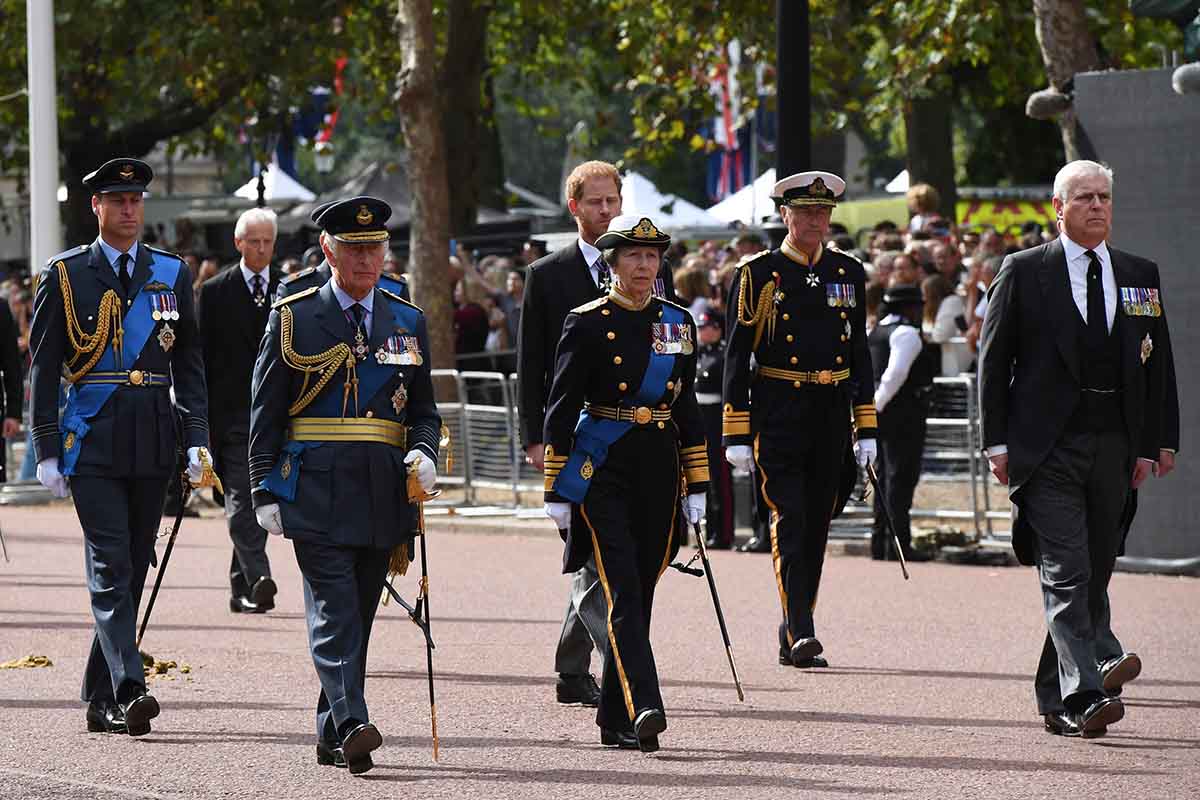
(116, 319)
(319, 275)
(343, 405)
(800, 311)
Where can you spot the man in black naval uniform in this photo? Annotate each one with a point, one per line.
(800, 311)
(342, 409)
(1073, 371)
(117, 319)
(903, 370)
(710, 368)
(319, 275)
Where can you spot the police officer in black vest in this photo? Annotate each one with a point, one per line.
(116, 318)
(903, 370)
(342, 409)
(710, 370)
(800, 311)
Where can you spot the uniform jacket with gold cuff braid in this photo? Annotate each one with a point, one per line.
(333, 437)
(80, 311)
(805, 326)
(602, 358)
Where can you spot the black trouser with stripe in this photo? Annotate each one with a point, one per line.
(632, 512)
(799, 457)
(901, 444)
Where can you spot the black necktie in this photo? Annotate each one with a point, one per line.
(259, 295)
(360, 314)
(123, 273)
(1096, 318)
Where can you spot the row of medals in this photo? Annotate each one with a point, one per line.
(360, 350)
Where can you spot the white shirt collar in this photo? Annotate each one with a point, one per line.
(248, 274)
(590, 253)
(345, 300)
(1074, 251)
(113, 254)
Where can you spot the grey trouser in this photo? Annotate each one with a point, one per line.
(249, 562)
(585, 624)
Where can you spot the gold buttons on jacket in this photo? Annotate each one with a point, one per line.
(611, 336)
(839, 359)
(661, 425)
(605, 311)
(670, 384)
(841, 271)
(617, 360)
(786, 316)
(662, 406)
(370, 413)
(797, 384)
(843, 315)
(791, 338)
(794, 360)
(622, 386)
(843, 337)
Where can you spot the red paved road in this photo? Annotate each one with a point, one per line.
(928, 697)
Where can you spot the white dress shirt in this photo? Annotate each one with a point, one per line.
(113, 255)
(248, 276)
(592, 256)
(905, 345)
(1077, 268)
(345, 301)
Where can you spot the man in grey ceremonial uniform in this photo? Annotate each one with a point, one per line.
(342, 409)
(1073, 373)
(116, 318)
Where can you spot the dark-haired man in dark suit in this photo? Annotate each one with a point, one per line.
(233, 312)
(10, 382)
(1073, 371)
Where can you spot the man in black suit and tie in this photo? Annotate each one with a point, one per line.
(1073, 372)
(233, 312)
(10, 382)
(557, 283)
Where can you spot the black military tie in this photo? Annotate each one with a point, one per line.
(360, 314)
(123, 273)
(1096, 318)
(260, 296)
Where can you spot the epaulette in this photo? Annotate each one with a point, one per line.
(400, 299)
(751, 257)
(293, 297)
(67, 254)
(591, 306)
(295, 276)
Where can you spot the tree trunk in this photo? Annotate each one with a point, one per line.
(474, 172)
(429, 231)
(930, 159)
(1067, 49)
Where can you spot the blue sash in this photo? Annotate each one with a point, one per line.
(594, 436)
(372, 376)
(85, 402)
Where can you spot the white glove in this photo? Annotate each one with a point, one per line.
(740, 456)
(194, 468)
(49, 476)
(426, 469)
(269, 519)
(560, 513)
(694, 506)
(865, 452)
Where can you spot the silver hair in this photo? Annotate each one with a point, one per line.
(1075, 170)
(253, 216)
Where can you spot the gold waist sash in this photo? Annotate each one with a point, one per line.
(824, 377)
(352, 429)
(642, 415)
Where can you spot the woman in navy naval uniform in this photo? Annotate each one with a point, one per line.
(615, 472)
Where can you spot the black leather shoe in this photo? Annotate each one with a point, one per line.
(809, 663)
(647, 725)
(625, 740)
(244, 605)
(757, 544)
(1116, 672)
(1061, 723)
(138, 713)
(105, 716)
(717, 544)
(1096, 718)
(330, 755)
(357, 746)
(263, 594)
(577, 690)
(805, 649)
(916, 556)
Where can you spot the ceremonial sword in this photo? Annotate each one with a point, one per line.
(887, 515)
(418, 495)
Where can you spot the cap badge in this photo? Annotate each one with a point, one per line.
(126, 172)
(364, 216)
(817, 187)
(644, 230)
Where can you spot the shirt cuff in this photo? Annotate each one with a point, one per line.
(996, 450)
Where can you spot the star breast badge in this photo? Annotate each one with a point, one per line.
(1147, 348)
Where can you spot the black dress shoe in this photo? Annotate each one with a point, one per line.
(718, 544)
(240, 604)
(757, 544)
(105, 716)
(577, 690)
(138, 713)
(805, 649)
(809, 663)
(357, 745)
(1116, 672)
(625, 740)
(1061, 723)
(1096, 718)
(330, 755)
(263, 594)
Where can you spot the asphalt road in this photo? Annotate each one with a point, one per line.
(928, 695)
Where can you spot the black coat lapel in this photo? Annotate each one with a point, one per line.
(383, 322)
(141, 269)
(1130, 344)
(105, 272)
(1060, 305)
(330, 315)
(582, 275)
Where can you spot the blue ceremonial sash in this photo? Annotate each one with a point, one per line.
(594, 436)
(283, 479)
(85, 402)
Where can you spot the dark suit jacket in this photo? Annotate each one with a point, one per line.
(1029, 363)
(556, 283)
(231, 328)
(10, 366)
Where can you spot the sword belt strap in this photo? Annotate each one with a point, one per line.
(133, 377)
(642, 415)
(824, 377)
(348, 429)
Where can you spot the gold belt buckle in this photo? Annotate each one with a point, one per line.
(642, 415)
(136, 377)
(825, 376)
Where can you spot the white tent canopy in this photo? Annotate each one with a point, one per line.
(898, 184)
(748, 204)
(639, 195)
(279, 186)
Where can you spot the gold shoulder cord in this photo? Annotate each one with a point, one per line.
(763, 313)
(326, 363)
(85, 343)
